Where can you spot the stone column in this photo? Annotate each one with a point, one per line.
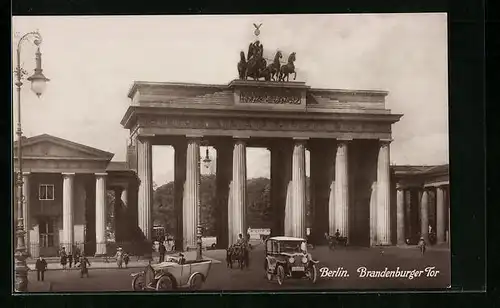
(145, 172)
(440, 216)
(400, 214)
(424, 215)
(224, 171)
(299, 189)
(100, 213)
(180, 150)
(383, 195)
(341, 190)
(68, 215)
(373, 215)
(192, 191)
(239, 191)
(26, 210)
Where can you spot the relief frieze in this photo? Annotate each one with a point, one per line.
(270, 97)
(179, 122)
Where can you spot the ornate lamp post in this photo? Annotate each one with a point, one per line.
(199, 227)
(38, 83)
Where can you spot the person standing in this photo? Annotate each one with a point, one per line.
(64, 257)
(70, 260)
(84, 264)
(119, 257)
(126, 258)
(41, 266)
(162, 249)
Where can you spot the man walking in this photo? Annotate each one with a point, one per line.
(41, 266)
(84, 262)
(162, 249)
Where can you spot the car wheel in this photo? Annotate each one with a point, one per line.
(280, 274)
(164, 284)
(138, 283)
(196, 282)
(313, 273)
(213, 246)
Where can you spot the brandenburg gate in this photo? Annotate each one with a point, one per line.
(347, 132)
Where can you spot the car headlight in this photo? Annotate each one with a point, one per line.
(304, 259)
(291, 260)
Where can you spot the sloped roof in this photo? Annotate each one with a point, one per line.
(72, 146)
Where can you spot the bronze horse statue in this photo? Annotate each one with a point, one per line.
(256, 67)
(242, 66)
(274, 68)
(288, 68)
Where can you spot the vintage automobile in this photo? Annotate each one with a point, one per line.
(174, 273)
(285, 258)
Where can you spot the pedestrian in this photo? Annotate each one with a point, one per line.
(64, 257)
(70, 260)
(421, 245)
(161, 250)
(41, 266)
(84, 264)
(76, 255)
(119, 257)
(126, 258)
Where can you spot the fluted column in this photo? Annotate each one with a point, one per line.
(440, 215)
(145, 172)
(100, 213)
(299, 189)
(180, 150)
(373, 215)
(239, 190)
(424, 215)
(383, 195)
(68, 207)
(192, 191)
(26, 211)
(400, 215)
(341, 189)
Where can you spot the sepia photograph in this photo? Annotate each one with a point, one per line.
(210, 153)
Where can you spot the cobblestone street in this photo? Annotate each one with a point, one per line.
(222, 278)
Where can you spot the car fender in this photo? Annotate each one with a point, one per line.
(137, 274)
(192, 275)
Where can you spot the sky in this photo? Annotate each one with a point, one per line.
(92, 61)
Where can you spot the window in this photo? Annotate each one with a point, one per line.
(47, 234)
(46, 192)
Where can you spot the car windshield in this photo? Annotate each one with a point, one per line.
(290, 246)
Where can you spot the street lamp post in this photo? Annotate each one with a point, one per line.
(199, 228)
(38, 82)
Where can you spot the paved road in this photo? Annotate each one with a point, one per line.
(222, 278)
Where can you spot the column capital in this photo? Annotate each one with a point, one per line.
(241, 137)
(400, 186)
(101, 174)
(194, 137)
(26, 173)
(385, 141)
(145, 137)
(344, 139)
(68, 174)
